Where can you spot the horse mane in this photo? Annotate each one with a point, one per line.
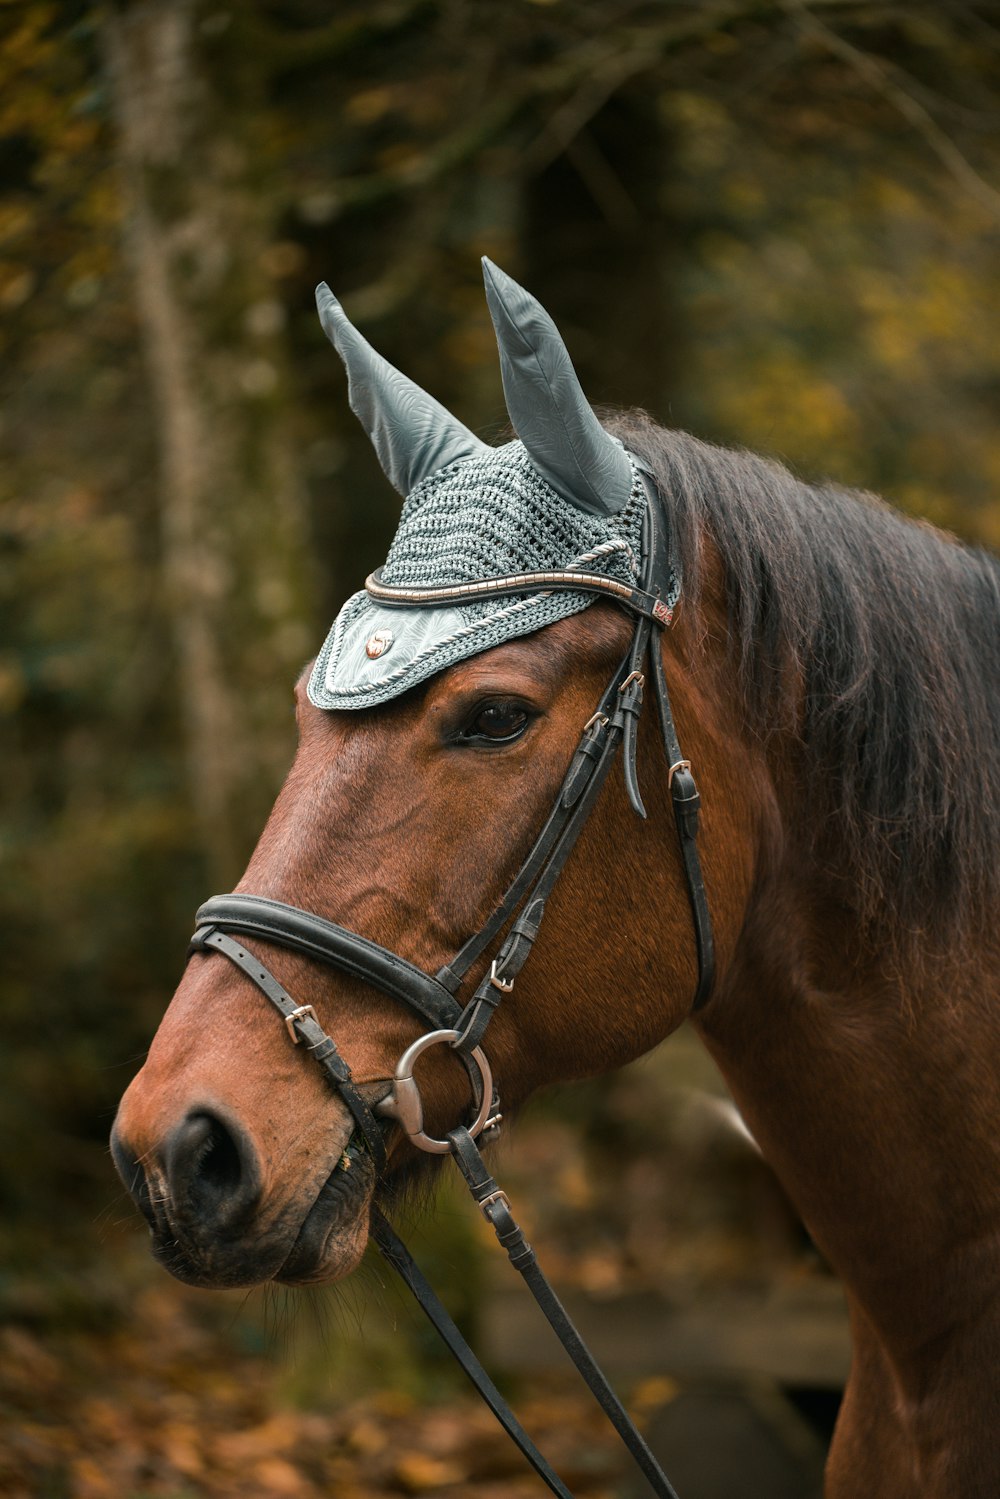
(893, 630)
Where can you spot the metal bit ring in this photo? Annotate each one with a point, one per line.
(405, 1105)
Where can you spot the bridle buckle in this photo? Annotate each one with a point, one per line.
(498, 981)
(677, 765)
(300, 1013)
(487, 1202)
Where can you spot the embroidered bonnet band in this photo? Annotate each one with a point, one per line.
(565, 499)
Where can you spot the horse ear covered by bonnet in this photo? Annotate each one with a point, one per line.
(564, 495)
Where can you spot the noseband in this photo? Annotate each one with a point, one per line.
(517, 919)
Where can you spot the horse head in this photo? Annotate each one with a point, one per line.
(443, 726)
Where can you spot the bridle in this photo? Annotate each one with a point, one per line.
(462, 1026)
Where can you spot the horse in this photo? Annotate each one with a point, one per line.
(832, 671)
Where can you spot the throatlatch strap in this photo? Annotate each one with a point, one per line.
(686, 804)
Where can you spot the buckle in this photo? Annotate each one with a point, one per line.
(678, 765)
(487, 1202)
(498, 981)
(298, 1014)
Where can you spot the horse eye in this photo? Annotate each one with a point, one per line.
(498, 722)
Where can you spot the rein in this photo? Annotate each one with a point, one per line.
(226, 918)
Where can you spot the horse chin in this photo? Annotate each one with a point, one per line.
(334, 1232)
(323, 1245)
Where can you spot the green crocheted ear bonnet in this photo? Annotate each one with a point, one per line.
(566, 495)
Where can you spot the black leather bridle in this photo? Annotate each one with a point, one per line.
(226, 918)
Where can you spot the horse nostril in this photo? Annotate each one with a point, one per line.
(212, 1171)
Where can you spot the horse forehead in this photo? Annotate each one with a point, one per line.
(563, 651)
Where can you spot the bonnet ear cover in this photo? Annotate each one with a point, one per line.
(547, 406)
(413, 434)
(564, 496)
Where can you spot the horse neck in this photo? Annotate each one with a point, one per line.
(868, 1079)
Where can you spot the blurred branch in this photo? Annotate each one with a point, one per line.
(284, 51)
(583, 79)
(155, 100)
(598, 74)
(409, 268)
(453, 151)
(874, 73)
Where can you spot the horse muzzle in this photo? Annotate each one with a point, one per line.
(212, 1222)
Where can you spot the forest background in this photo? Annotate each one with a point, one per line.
(775, 224)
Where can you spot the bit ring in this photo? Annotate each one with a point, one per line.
(405, 1105)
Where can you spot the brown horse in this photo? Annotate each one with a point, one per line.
(833, 670)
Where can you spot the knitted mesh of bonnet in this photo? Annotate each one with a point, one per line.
(483, 517)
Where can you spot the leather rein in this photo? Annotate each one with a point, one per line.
(224, 919)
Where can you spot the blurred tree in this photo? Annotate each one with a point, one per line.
(233, 546)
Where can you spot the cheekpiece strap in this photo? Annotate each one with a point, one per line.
(303, 1028)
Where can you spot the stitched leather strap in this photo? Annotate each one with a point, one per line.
(288, 926)
(636, 600)
(590, 764)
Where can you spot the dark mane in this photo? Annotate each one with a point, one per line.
(894, 630)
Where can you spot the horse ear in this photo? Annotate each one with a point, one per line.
(546, 403)
(413, 434)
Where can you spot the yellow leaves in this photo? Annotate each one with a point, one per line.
(649, 1394)
(416, 1473)
(250, 1446)
(278, 1477)
(89, 1479)
(23, 1356)
(789, 399)
(17, 282)
(421, 104)
(180, 1442)
(166, 1406)
(13, 684)
(282, 258)
(15, 220)
(365, 1438)
(574, 1184)
(27, 46)
(370, 104)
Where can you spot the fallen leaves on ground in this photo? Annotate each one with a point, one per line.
(160, 1407)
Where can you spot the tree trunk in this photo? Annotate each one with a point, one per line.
(232, 550)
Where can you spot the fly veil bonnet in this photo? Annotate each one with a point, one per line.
(565, 497)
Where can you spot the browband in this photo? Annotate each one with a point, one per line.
(635, 599)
